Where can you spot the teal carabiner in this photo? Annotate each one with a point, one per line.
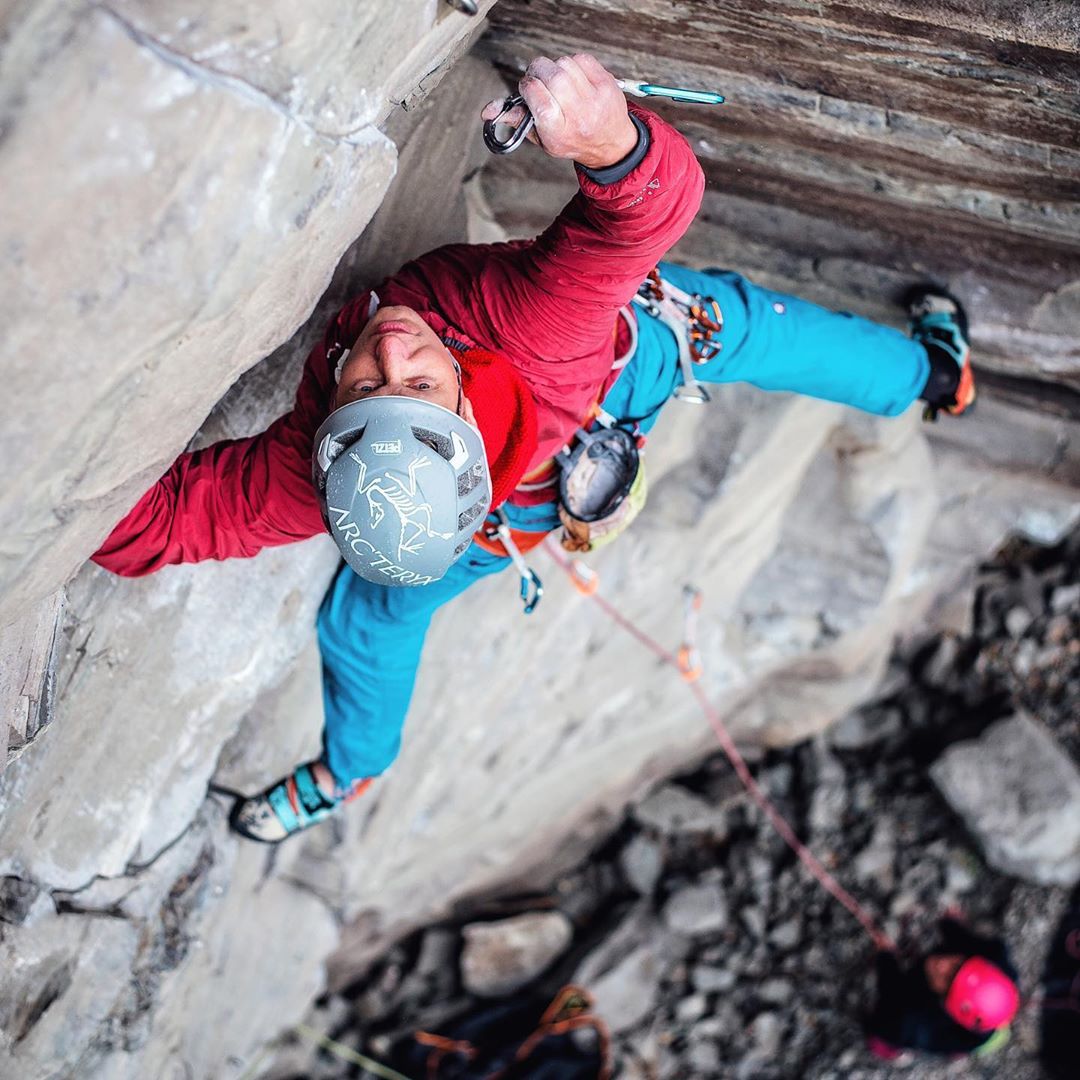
(675, 93)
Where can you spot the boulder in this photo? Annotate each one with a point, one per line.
(1018, 793)
(503, 956)
(697, 910)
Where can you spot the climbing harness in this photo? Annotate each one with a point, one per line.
(600, 474)
(635, 88)
(532, 588)
(880, 939)
(695, 320)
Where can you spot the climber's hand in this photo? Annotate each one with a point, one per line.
(579, 109)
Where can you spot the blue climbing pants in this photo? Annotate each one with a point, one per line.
(371, 636)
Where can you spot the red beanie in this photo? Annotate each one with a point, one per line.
(505, 413)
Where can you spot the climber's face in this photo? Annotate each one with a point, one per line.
(398, 353)
(940, 972)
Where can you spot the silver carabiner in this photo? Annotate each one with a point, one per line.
(517, 136)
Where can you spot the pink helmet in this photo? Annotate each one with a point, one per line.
(982, 997)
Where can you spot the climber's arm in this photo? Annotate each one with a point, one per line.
(234, 498)
(640, 187)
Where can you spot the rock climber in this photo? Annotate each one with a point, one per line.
(958, 999)
(484, 395)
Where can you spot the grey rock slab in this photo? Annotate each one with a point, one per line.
(696, 910)
(1065, 598)
(625, 996)
(198, 225)
(642, 863)
(256, 935)
(1018, 793)
(156, 675)
(63, 975)
(766, 1032)
(306, 65)
(712, 980)
(28, 675)
(500, 957)
(636, 928)
(787, 935)
(865, 727)
(672, 810)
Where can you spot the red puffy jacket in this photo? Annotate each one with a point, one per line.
(548, 306)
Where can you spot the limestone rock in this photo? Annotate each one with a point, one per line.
(1019, 795)
(161, 694)
(815, 165)
(503, 956)
(625, 995)
(671, 810)
(63, 976)
(697, 910)
(28, 674)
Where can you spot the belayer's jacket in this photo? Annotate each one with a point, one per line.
(539, 317)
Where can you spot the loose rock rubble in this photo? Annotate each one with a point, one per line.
(708, 949)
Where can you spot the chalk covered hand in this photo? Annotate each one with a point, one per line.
(579, 110)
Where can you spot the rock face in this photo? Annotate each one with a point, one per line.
(220, 167)
(1019, 794)
(864, 145)
(182, 228)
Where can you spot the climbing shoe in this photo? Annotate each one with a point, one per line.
(937, 321)
(292, 804)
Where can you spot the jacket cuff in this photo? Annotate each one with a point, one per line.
(610, 174)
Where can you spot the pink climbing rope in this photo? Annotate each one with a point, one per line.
(880, 939)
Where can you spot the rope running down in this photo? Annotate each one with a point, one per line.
(878, 936)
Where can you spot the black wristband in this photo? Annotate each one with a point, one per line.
(610, 173)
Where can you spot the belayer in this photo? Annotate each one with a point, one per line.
(959, 998)
(485, 395)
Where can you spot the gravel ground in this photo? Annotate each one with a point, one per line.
(754, 972)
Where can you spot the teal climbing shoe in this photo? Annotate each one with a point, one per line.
(292, 804)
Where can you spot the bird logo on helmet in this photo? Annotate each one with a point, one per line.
(403, 484)
(982, 997)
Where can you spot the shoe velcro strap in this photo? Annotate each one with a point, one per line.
(312, 798)
(278, 798)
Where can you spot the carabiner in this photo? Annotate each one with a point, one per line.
(532, 584)
(532, 588)
(517, 136)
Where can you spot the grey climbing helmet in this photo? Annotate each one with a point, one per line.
(403, 484)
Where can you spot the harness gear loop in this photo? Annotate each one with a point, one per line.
(532, 588)
(695, 320)
(688, 656)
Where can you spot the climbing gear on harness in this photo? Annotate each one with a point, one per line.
(695, 320)
(532, 588)
(688, 656)
(633, 87)
(937, 321)
(602, 485)
(982, 997)
(738, 763)
(402, 484)
(293, 803)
